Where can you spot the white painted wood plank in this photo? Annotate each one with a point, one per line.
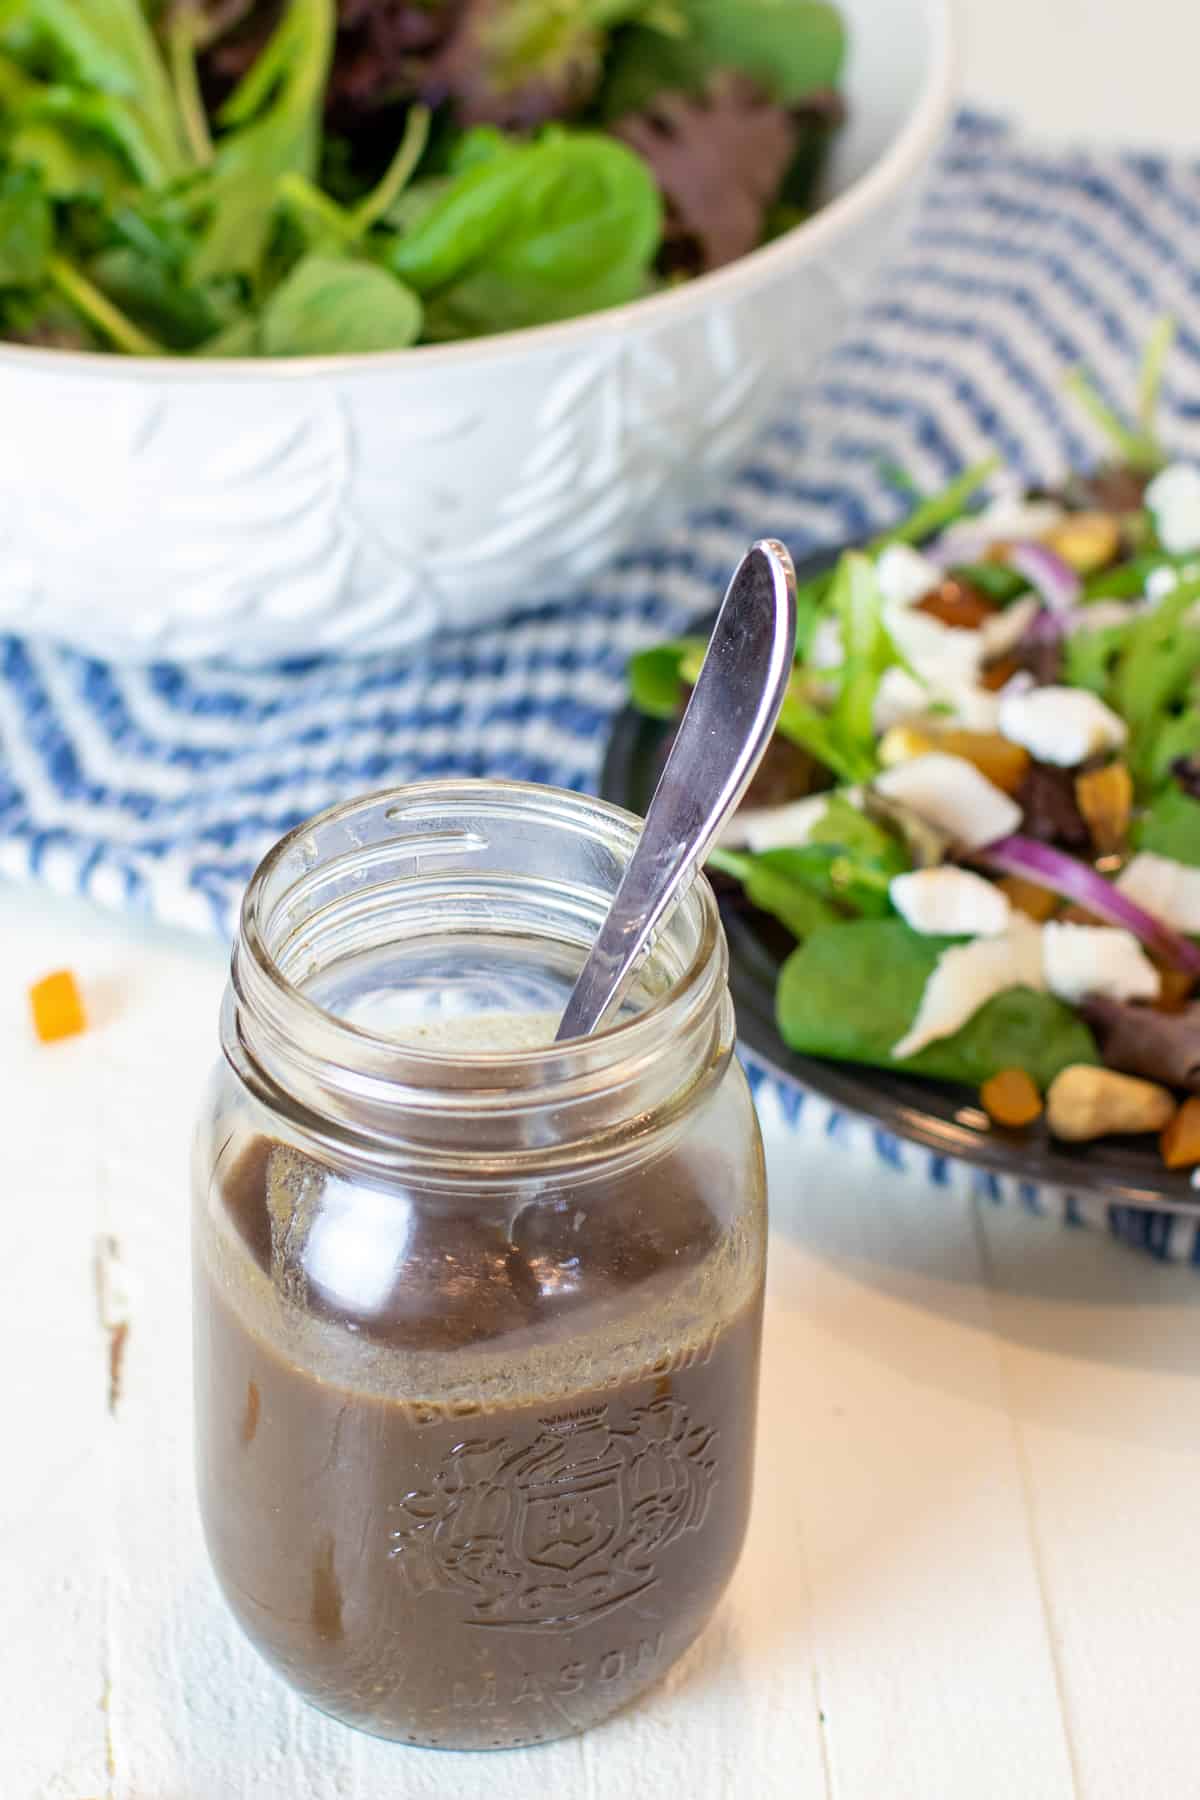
(52, 1505)
(935, 1666)
(1101, 1350)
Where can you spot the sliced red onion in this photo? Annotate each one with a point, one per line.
(1054, 579)
(1075, 880)
(1046, 627)
(960, 546)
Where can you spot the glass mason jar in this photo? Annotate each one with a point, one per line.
(477, 1315)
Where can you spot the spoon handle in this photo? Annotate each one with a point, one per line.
(720, 741)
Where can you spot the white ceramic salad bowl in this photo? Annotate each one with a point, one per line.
(256, 510)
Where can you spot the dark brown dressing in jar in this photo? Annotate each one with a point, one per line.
(481, 1575)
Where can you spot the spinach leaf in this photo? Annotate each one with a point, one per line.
(656, 683)
(26, 229)
(852, 991)
(792, 48)
(643, 62)
(533, 232)
(333, 304)
(1171, 827)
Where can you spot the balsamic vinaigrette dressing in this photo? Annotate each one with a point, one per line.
(445, 1572)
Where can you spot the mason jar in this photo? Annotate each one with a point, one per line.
(477, 1315)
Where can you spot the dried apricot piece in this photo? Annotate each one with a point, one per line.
(996, 674)
(1037, 903)
(1011, 1098)
(1181, 1140)
(1174, 989)
(958, 604)
(57, 1006)
(1105, 798)
(1005, 765)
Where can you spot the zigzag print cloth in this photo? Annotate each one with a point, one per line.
(158, 789)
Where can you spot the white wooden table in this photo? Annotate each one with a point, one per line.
(972, 1567)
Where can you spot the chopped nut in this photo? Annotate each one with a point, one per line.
(1088, 541)
(1011, 1098)
(1105, 798)
(1036, 902)
(1181, 1140)
(1086, 1102)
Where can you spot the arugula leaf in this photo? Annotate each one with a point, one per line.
(72, 162)
(106, 49)
(996, 580)
(1178, 735)
(1136, 445)
(1128, 580)
(867, 651)
(656, 684)
(791, 885)
(273, 121)
(870, 844)
(26, 229)
(97, 310)
(852, 990)
(1157, 659)
(847, 865)
(329, 305)
(934, 513)
(843, 737)
(1171, 827)
(1089, 656)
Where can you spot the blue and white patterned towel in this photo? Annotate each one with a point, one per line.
(158, 789)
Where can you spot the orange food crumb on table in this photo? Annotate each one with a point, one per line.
(57, 1006)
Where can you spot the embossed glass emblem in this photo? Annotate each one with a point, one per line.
(561, 1530)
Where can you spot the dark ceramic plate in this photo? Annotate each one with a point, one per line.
(944, 1118)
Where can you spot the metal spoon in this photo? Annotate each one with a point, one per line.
(719, 744)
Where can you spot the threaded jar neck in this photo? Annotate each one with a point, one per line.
(378, 938)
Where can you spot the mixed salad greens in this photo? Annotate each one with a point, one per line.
(281, 177)
(979, 819)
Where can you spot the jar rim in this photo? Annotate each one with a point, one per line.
(469, 788)
(430, 1079)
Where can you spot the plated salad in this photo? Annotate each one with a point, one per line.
(979, 819)
(287, 177)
